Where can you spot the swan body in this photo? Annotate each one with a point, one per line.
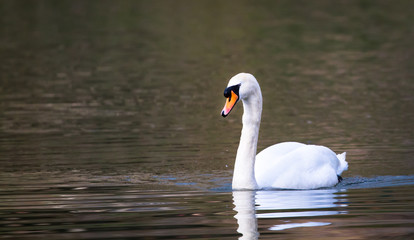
(288, 165)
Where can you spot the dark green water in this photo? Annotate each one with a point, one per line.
(110, 123)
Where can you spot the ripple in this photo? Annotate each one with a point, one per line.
(296, 225)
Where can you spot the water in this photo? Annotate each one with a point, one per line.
(110, 123)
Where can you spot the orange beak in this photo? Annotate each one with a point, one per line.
(230, 102)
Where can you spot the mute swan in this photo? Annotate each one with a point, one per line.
(288, 165)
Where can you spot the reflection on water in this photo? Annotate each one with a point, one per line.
(278, 205)
(244, 205)
(295, 225)
(127, 210)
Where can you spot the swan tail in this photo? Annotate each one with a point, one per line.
(343, 164)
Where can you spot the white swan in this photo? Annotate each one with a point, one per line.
(288, 165)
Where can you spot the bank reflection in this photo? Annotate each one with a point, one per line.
(284, 205)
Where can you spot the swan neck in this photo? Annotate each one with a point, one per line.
(243, 176)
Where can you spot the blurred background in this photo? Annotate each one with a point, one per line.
(137, 83)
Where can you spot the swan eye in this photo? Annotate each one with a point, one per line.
(235, 89)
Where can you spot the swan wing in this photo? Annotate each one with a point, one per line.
(297, 166)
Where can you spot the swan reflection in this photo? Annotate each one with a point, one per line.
(252, 205)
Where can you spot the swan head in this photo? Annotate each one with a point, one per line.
(240, 87)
